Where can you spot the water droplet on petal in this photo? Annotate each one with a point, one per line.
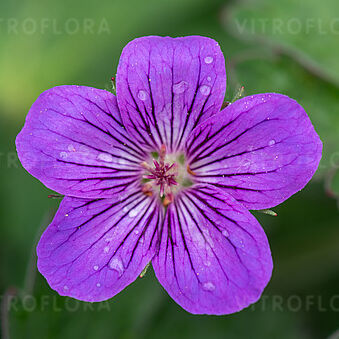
(180, 87)
(125, 209)
(95, 267)
(117, 265)
(209, 60)
(98, 284)
(63, 154)
(66, 288)
(135, 211)
(106, 249)
(208, 286)
(71, 148)
(225, 233)
(136, 232)
(208, 263)
(209, 78)
(205, 90)
(142, 95)
(271, 142)
(105, 157)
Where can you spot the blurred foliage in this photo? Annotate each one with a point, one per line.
(307, 30)
(286, 46)
(304, 237)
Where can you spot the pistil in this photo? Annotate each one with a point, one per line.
(162, 175)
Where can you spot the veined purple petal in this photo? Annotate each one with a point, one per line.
(260, 149)
(74, 142)
(214, 257)
(95, 248)
(166, 86)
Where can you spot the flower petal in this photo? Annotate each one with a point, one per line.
(214, 257)
(260, 149)
(95, 248)
(74, 142)
(166, 86)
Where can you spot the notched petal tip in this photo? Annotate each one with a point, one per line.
(166, 86)
(95, 248)
(74, 142)
(261, 149)
(214, 257)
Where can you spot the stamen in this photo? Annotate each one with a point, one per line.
(146, 166)
(147, 189)
(190, 171)
(168, 200)
(162, 154)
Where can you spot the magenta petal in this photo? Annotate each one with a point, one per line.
(166, 86)
(74, 142)
(214, 256)
(260, 149)
(95, 248)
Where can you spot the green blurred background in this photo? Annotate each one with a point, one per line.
(285, 46)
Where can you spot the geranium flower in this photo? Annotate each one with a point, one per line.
(159, 174)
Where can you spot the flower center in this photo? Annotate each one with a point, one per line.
(164, 175)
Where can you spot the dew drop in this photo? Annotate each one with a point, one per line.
(135, 211)
(106, 249)
(208, 286)
(180, 87)
(66, 288)
(142, 95)
(117, 265)
(63, 154)
(208, 60)
(98, 284)
(271, 142)
(136, 232)
(207, 263)
(105, 157)
(132, 213)
(71, 148)
(209, 78)
(208, 238)
(225, 233)
(205, 90)
(95, 267)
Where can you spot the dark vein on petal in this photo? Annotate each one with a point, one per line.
(189, 112)
(232, 156)
(199, 157)
(152, 100)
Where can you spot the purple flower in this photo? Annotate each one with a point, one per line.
(159, 174)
